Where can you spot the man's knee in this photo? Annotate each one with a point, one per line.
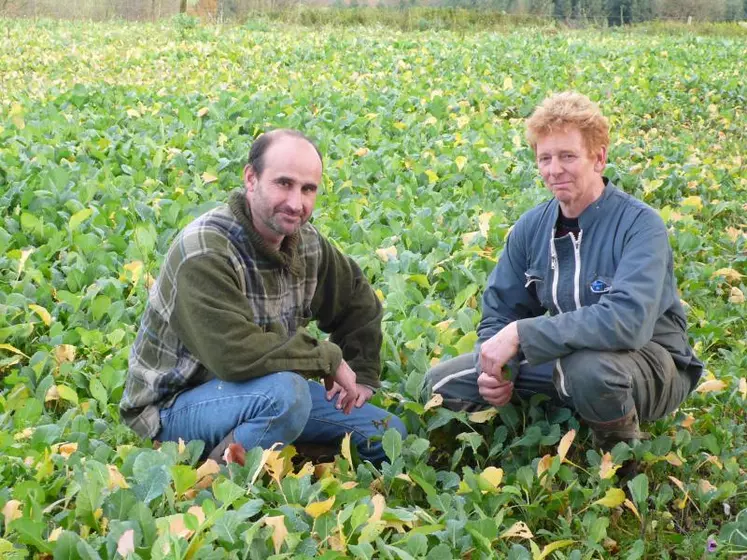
(292, 402)
(595, 383)
(456, 381)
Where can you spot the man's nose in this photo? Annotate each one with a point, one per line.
(555, 167)
(295, 200)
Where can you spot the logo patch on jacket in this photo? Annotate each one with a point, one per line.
(599, 286)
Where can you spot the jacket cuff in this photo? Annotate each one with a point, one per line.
(331, 357)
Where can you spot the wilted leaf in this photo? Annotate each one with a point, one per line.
(316, 509)
(628, 504)
(42, 313)
(711, 386)
(693, 202)
(64, 353)
(674, 459)
(345, 449)
(126, 543)
(208, 468)
(544, 464)
(688, 421)
(612, 498)
(565, 444)
(518, 529)
(67, 449)
(743, 387)
(202, 112)
(436, 400)
(279, 532)
(208, 178)
(387, 253)
(607, 468)
(55, 534)
(11, 511)
(460, 161)
(481, 416)
(729, 274)
(135, 268)
(552, 547)
(706, 487)
(13, 349)
(736, 296)
(379, 504)
(116, 480)
(484, 223)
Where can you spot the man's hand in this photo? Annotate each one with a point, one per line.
(498, 350)
(343, 382)
(364, 394)
(496, 391)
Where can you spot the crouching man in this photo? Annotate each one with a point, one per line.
(582, 305)
(223, 354)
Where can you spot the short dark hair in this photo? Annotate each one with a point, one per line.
(260, 145)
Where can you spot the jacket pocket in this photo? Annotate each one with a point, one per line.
(535, 283)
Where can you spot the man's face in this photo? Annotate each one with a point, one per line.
(569, 170)
(282, 197)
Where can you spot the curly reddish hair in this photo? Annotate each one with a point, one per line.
(569, 109)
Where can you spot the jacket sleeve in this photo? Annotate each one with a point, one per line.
(624, 318)
(212, 319)
(506, 298)
(346, 307)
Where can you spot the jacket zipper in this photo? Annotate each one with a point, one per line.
(577, 273)
(555, 273)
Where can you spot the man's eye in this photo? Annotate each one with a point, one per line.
(568, 157)
(544, 160)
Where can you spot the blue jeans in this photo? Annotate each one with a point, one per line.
(279, 407)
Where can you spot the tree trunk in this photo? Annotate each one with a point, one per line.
(182, 6)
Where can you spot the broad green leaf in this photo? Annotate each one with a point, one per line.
(78, 218)
(392, 444)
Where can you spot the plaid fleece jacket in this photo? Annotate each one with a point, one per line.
(227, 305)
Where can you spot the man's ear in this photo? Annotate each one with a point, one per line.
(250, 178)
(600, 159)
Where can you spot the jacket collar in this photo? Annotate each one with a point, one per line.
(286, 257)
(595, 209)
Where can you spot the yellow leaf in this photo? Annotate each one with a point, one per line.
(279, 531)
(460, 161)
(628, 504)
(13, 349)
(612, 498)
(126, 543)
(399, 125)
(52, 394)
(678, 483)
(730, 274)
(743, 387)
(693, 202)
(181, 446)
(607, 467)
(208, 468)
(436, 400)
(565, 444)
(133, 113)
(544, 464)
(711, 386)
(349, 485)
(208, 178)
(55, 534)
(202, 112)
(380, 295)
(11, 511)
(135, 268)
(16, 116)
(736, 295)
(482, 416)
(319, 508)
(518, 529)
(116, 480)
(484, 223)
(386, 254)
(508, 83)
(42, 313)
(25, 434)
(688, 421)
(64, 353)
(275, 464)
(552, 547)
(360, 152)
(379, 504)
(345, 449)
(493, 475)
(265, 455)
(67, 449)
(673, 459)
(706, 487)
(25, 254)
(405, 477)
(462, 121)
(432, 177)
(306, 469)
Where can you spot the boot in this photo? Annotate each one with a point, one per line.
(605, 435)
(218, 452)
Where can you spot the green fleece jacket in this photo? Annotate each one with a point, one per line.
(227, 305)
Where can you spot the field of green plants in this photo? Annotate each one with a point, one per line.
(114, 136)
